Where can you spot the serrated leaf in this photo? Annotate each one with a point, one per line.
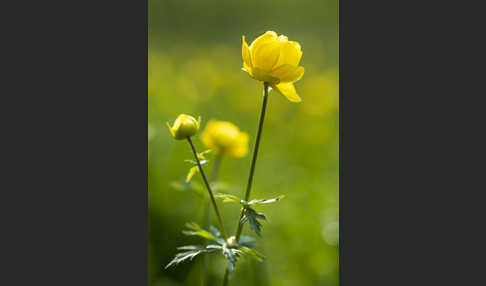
(201, 161)
(214, 231)
(252, 216)
(252, 252)
(191, 173)
(190, 252)
(247, 241)
(228, 198)
(214, 246)
(266, 201)
(231, 255)
(201, 155)
(195, 229)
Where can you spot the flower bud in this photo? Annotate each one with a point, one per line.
(184, 126)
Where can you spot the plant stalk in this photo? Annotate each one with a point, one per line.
(226, 278)
(207, 203)
(253, 161)
(207, 206)
(217, 163)
(213, 201)
(252, 171)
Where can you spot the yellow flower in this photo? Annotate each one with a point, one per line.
(184, 126)
(275, 60)
(224, 138)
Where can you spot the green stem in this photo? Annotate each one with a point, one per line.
(213, 201)
(252, 171)
(207, 203)
(214, 175)
(253, 161)
(217, 163)
(226, 277)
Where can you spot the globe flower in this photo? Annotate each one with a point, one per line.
(184, 126)
(224, 138)
(275, 60)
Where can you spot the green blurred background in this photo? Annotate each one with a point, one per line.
(195, 68)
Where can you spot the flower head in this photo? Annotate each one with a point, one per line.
(224, 138)
(275, 60)
(184, 126)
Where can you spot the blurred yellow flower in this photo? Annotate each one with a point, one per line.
(184, 126)
(224, 138)
(275, 60)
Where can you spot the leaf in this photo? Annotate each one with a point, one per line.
(202, 160)
(252, 252)
(247, 241)
(201, 155)
(214, 246)
(195, 229)
(228, 198)
(191, 173)
(214, 231)
(266, 201)
(231, 198)
(190, 252)
(231, 254)
(252, 216)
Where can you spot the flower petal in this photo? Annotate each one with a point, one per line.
(245, 53)
(290, 53)
(287, 89)
(268, 36)
(170, 130)
(240, 149)
(265, 56)
(206, 137)
(246, 68)
(288, 73)
(299, 73)
(283, 38)
(261, 75)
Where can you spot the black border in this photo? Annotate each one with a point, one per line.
(75, 211)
